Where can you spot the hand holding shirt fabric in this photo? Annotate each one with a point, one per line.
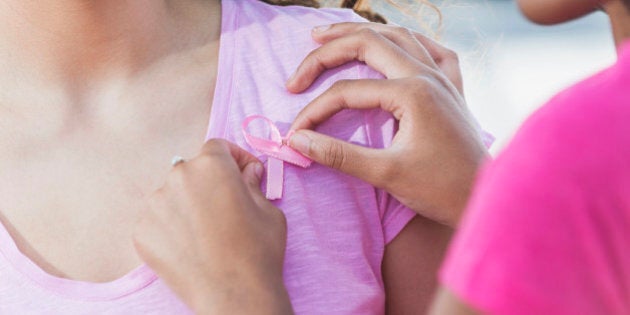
(213, 237)
(438, 148)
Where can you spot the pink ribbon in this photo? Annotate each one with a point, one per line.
(278, 153)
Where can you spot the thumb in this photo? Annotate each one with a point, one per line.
(252, 175)
(348, 158)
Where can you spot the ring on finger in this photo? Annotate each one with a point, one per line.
(176, 160)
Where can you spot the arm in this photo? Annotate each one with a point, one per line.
(410, 266)
(447, 303)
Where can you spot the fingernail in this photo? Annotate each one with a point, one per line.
(321, 28)
(300, 142)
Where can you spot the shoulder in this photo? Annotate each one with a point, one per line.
(285, 29)
(562, 181)
(264, 44)
(297, 16)
(582, 129)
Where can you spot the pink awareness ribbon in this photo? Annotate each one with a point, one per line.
(277, 152)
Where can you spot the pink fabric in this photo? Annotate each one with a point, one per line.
(547, 231)
(338, 226)
(276, 150)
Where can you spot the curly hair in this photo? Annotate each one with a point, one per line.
(359, 6)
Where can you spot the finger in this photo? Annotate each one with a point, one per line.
(354, 160)
(368, 46)
(401, 36)
(252, 175)
(350, 94)
(241, 156)
(415, 44)
(225, 149)
(446, 59)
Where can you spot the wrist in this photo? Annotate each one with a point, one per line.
(251, 295)
(462, 186)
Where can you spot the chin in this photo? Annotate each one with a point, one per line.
(550, 12)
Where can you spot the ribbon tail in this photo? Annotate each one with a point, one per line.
(277, 154)
(275, 178)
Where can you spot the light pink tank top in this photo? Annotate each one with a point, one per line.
(338, 225)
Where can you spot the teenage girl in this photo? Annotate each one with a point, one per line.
(97, 98)
(545, 231)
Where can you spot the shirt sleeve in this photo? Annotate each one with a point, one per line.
(540, 235)
(380, 127)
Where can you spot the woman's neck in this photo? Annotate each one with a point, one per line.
(92, 39)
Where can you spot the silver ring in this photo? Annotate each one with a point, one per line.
(176, 160)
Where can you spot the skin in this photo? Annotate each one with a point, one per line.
(555, 11)
(424, 80)
(97, 112)
(108, 91)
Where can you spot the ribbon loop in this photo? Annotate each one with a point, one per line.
(277, 151)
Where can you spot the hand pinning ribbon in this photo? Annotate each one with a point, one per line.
(277, 152)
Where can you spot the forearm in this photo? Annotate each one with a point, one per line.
(461, 185)
(446, 302)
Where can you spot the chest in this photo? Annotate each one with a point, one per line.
(70, 194)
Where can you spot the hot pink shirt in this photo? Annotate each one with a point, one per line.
(548, 228)
(338, 225)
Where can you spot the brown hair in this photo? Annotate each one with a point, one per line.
(359, 6)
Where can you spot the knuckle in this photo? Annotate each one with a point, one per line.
(311, 58)
(312, 53)
(417, 88)
(387, 173)
(213, 144)
(344, 25)
(451, 55)
(420, 85)
(334, 155)
(366, 38)
(315, 62)
(404, 32)
(367, 34)
(214, 147)
(339, 87)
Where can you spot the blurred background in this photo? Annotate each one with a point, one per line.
(511, 66)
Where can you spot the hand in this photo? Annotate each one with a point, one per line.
(431, 164)
(211, 235)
